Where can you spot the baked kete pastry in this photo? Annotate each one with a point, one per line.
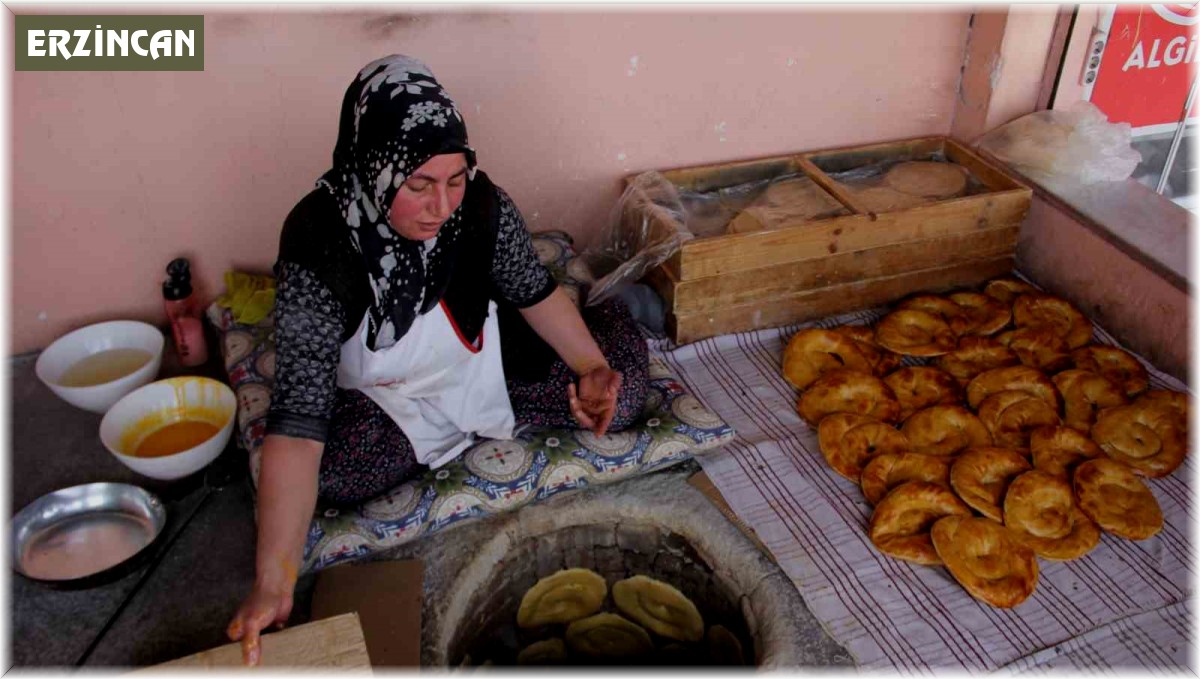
(945, 430)
(1148, 438)
(813, 352)
(981, 476)
(1113, 496)
(1041, 309)
(1013, 378)
(1085, 394)
(918, 387)
(986, 315)
(889, 470)
(1011, 416)
(1116, 365)
(849, 441)
(900, 524)
(915, 333)
(986, 559)
(1058, 450)
(848, 391)
(976, 355)
(1041, 511)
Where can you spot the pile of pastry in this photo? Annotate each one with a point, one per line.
(1018, 438)
(648, 621)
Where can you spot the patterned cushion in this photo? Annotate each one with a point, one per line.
(492, 476)
(498, 476)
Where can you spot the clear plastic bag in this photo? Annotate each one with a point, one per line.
(1066, 147)
(646, 227)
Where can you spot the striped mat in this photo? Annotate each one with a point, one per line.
(1125, 604)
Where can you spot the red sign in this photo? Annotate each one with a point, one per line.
(1144, 74)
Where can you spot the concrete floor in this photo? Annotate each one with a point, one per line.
(180, 604)
(175, 607)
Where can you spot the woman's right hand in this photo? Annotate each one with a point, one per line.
(287, 496)
(267, 604)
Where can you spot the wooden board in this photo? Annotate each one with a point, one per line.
(330, 643)
(718, 175)
(743, 287)
(811, 240)
(988, 173)
(812, 304)
(848, 158)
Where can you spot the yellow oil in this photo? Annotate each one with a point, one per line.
(174, 430)
(103, 367)
(176, 437)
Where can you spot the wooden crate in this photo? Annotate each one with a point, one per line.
(809, 269)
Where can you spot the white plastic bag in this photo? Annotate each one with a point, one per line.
(1065, 148)
(645, 228)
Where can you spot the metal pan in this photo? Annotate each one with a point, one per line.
(86, 535)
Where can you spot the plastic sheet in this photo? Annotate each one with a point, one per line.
(646, 227)
(1065, 148)
(903, 183)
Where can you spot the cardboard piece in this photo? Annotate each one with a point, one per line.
(335, 642)
(387, 597)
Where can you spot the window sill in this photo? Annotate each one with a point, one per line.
(1151, 229)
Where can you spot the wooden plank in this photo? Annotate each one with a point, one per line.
(719, 175)
(804, 240)
(836, 299)
(333, 642)
(826, 182)
(850, 157)
(989, 174)
(743, 287)
(663, 280)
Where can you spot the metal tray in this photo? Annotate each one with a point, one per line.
(86, 535)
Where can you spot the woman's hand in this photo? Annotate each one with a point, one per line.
(594, 403)
(267, 604)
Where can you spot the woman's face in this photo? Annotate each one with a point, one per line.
(426, 199)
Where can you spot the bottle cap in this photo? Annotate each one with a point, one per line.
(179, 268)
(175, 289)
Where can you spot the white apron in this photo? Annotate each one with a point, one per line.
(441, 391)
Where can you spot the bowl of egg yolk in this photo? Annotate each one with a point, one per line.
(170, 428)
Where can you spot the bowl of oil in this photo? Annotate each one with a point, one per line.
(170, 428)
(94, 366)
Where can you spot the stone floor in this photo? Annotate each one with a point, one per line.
(180, 602)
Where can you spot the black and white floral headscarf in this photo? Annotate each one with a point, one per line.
(395, 116)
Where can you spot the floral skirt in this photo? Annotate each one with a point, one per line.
(366, 454)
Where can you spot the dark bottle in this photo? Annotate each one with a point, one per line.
(186, 326)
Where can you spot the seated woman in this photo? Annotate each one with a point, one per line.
(412, 317)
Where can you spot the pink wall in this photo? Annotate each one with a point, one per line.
(1022, 64)
(113, 174)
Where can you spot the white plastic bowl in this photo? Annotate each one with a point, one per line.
(77, 345)
(176, 395)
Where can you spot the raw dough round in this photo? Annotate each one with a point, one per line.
(659, 607)
(567, 595)
(927, 178)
